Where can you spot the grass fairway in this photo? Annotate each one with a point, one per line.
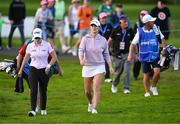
(67, 103)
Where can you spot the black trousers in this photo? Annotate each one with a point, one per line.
(38, 76)
(136, 69)
(107, 75)
(20, 26)
(19, 87)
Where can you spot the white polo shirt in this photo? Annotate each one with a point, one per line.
(39, 54)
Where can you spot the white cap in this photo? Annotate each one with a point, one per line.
(95, 22)
(148, 18)
(37, 33)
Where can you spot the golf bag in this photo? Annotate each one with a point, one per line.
(9, 66)
(170, 52)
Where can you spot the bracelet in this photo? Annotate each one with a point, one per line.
(48, 66)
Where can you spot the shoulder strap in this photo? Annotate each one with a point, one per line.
(28, 42)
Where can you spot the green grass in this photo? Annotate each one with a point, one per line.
(66, 100)
(67, 103)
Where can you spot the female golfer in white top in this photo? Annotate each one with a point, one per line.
(93, 52)
(38, 50)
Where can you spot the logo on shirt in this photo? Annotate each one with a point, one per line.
(161, 15)
(33, 50)
(149, 42)
(118, 34)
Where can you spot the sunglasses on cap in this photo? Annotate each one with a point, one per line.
(37, 38)
(93, 25)
(142, 14)
(104, 17)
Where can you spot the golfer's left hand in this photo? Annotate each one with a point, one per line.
(47, 70)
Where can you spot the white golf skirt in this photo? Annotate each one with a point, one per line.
(90, 71)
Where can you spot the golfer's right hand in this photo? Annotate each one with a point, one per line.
(130, 57)
(82, 62)
(17, 69)
(20, 73)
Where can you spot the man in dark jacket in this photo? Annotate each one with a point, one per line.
(17, 14)
(120, 41)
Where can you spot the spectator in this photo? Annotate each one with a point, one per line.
(148, 53)
(85, 14)
(137, 63)
(59, 23)
(39, 51)
(73, 19)
(43, 14)
(17, 14)
(2, 21)
(162, 13)
(117, 15)
(93, 52)
(51, 4)
(120, 41)
(105, 30)
(50, 24)
(107, 8)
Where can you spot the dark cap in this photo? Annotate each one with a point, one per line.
(119, 5)
(123, 17)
